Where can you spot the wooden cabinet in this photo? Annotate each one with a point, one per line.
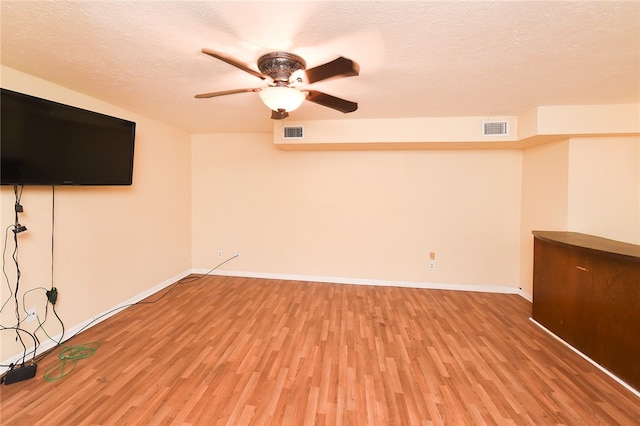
(586, 290)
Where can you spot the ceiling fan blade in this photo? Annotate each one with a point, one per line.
(233, 61)
(224, 92)
(279, 115)
(329, 101)
(340, 67)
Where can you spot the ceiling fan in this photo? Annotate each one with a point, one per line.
(285, 72)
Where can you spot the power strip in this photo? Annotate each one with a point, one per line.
(19, 374)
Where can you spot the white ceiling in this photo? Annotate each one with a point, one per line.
(417, 58)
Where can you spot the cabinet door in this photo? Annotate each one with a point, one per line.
(616, 299)
(562, 287)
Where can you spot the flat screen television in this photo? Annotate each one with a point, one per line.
(48, 143)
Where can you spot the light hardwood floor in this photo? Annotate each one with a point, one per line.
(235, 351)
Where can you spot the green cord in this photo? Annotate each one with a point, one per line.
(79, 351)
(67, 360)
(69, 355)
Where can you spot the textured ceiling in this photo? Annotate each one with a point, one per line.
(417, 59)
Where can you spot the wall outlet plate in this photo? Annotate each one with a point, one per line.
(31, 315)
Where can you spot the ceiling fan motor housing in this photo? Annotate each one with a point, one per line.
(280, 65)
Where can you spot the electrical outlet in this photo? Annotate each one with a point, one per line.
(432, 260)
(219, 253)
(31, 315)
(237, 254)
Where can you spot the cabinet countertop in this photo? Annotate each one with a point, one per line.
(591, 242)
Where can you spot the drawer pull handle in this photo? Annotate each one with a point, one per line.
(582, 268)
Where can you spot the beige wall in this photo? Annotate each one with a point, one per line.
(544, 199)
(603, 187)
(587, 185)
(111, 243)
(356, 214)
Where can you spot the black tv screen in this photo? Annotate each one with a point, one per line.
(48, 143)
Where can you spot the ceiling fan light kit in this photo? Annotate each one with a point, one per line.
(281, 98)
(286, 71)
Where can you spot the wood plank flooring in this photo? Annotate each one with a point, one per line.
(241, 351)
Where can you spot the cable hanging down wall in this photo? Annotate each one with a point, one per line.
(68, 358)
(25, 366)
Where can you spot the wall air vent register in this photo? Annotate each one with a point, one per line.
(495, 128)
(293, 132)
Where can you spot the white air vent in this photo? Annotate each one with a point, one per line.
(495, 128)
(293, 132)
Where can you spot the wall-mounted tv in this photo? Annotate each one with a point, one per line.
(48, 143)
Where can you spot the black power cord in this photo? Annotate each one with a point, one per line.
(52, 297)
(19, 370)
(17, 228)
(67, 359)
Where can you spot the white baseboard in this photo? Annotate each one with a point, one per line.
(367, 281)
(525, 295)
(601, 368)
(97, 319)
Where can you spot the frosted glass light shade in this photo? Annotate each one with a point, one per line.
(279, 97)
